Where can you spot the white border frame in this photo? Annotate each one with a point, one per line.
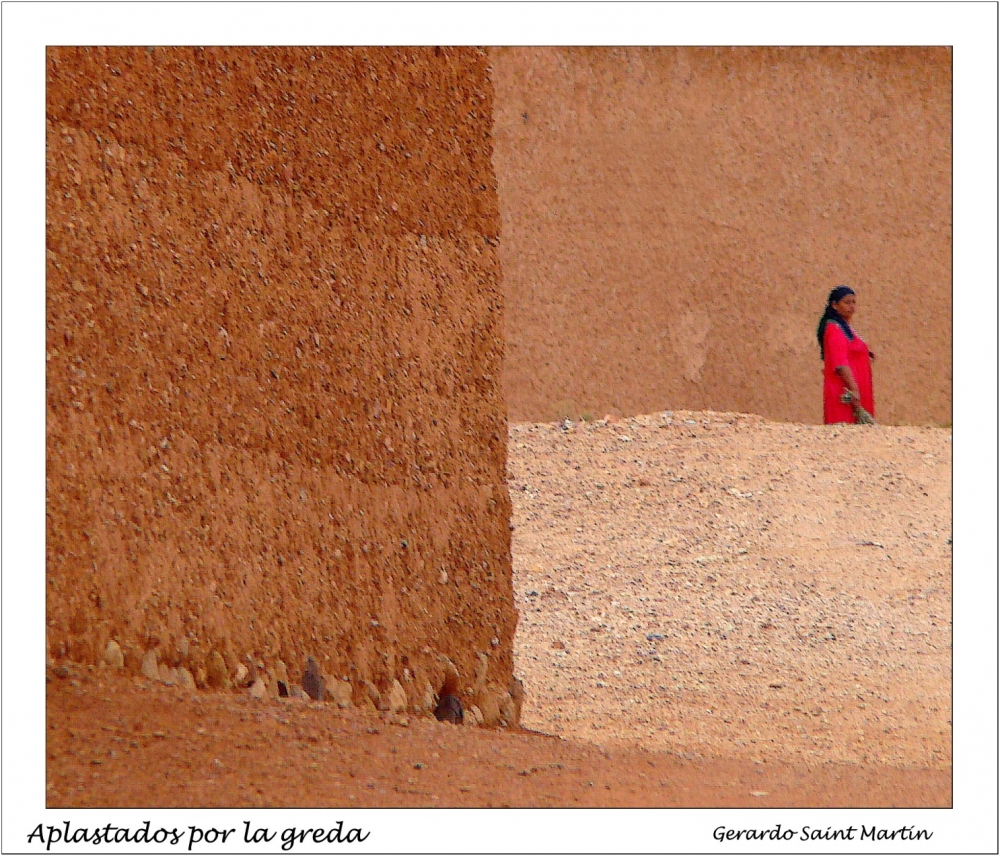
(970, 27)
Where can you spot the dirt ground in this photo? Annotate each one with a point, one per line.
(715, 610)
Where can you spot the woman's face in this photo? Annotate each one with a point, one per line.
(846, 306)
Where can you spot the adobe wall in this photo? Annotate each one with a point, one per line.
(275, 424)
(674, 218)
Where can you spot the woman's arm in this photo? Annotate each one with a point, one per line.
(845, 374)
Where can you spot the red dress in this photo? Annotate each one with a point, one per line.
(838, 350)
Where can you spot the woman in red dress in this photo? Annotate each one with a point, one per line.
(847, 362)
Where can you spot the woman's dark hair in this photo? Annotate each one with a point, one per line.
(831, 314)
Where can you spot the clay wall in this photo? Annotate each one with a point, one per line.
(674, 218)
(275, 424)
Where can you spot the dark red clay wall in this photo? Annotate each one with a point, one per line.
(674, 218)
(275, 421)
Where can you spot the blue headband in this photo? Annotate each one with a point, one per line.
(839, 293)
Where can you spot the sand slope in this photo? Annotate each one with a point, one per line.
(716, 583)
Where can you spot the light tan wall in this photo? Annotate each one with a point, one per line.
(275, 421)
(674, 218)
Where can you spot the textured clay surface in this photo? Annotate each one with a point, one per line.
(674, 218)
(275, 425)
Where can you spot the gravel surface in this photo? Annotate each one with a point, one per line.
(714, 584)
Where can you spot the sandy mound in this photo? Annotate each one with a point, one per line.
(718, 584)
